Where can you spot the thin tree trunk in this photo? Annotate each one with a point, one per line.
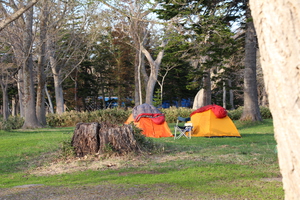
(40, 102)
(5, 110)
(14, 106)
(137, 79)
(224, 95)
(231, 95)
(20, 84)
(51, 110)
(277, 26)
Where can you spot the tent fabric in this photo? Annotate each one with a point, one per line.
(150, 111)
(207, 124)
(152, 124)
(219, 111)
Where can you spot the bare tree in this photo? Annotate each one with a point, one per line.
(137, 25)
(277, 27)
(7, 70)
(66, 44)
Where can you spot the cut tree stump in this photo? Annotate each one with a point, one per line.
(94, 138)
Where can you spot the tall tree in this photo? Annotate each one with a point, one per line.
(209, 33)
(137, 24)
(251, 108)
(30, 120)
(66, 44)
(41, 65)
(7, 70)
(277, 27)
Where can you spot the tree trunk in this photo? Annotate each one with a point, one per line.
(59, 97)
(13, 107)
(5, 111)
(56, 71)
(40, 100)
(224, 95)
(277, 26)
(154, 69)
(207, 88)
(50, 108)
(94, 138)
(30, 120)
(20, 84)
(251, 108)
(231, 95)
(137, 80)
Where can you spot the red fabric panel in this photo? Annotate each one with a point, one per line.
(157, 118)
(219, 111)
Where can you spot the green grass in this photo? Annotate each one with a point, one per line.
(226, 168)
(22, 149)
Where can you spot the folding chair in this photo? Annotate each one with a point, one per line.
(185, 130)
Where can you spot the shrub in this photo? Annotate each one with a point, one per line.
(119, 116)
(114, 116)
(172, 113)
(13, 122)
(235, 114)
(265, 112)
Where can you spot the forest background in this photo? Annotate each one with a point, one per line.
(63, 56)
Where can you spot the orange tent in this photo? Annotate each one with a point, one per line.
(207, 124)
(150, 120)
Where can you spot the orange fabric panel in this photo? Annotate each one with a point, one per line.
(206, 124)
(129, 120)
(151, 129)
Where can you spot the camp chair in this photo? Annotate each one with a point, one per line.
(187, 128)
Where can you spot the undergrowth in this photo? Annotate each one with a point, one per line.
(114, 116)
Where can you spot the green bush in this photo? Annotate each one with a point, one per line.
(13, 122)
(172, 113)
(114, 116)
(235, 114)
(265, 112)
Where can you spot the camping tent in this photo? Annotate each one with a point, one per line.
(150, 120)
(212, 121)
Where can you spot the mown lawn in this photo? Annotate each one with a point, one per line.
(199, 168)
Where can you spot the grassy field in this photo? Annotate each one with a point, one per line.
(199, 168)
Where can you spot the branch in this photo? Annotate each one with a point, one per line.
(17, 14)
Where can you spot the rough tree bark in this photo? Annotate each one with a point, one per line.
(30, 120)
(41, 77)
(154, 69)
(94, 138)
(251, 108)
(277, 26)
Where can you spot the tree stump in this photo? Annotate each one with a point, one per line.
(85, 139)
(93, 138)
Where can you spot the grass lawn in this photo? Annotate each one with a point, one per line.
(197, 168)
